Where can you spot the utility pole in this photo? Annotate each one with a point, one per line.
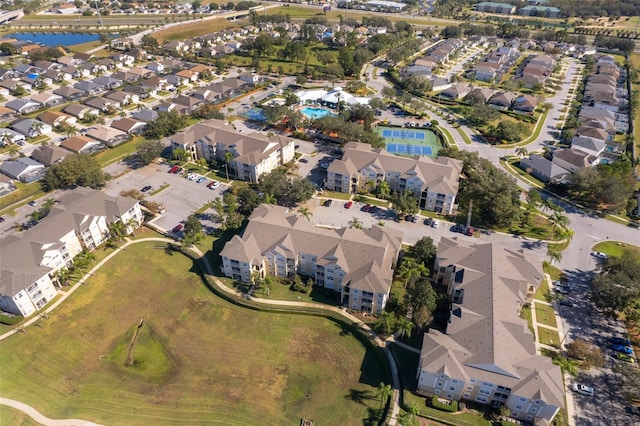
(469, 213)
(99, 16)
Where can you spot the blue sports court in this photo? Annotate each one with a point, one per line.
(403, 134)
(411, 142)
(404, 149)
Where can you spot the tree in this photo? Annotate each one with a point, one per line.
(404, 202)
(192, 231)
(404, 327)
(355, 223)
(423, 251)
(179, 154)
(62, 276)
(166, 124)
(386, 322)
(149, 150)
(616, 286)
(77, 169)
(422, 300)
(383, 190)
(582, 350)
(554, 255)
(411, 270)
(384, 392)
(116, 232)
(305, 212)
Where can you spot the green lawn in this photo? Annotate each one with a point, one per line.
(545, 315)
(25, 192)
(548, 337)
(197, 359)
(14, 417)
(617, 249)
(543, 291)
(337, 195)
(111, 155)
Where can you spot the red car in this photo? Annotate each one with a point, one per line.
(174, 169)
(348, 205)
(179, 227)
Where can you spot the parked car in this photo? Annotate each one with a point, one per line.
(562, 289)
(565, 302)
(146, 188)
(366, 208)
(327, 203)
(622, 348)
(411, 218)
(1, 219)
(201, 179)
(582, 389)
(213, 184)
(428, 221)
(324, 165)
(303, 160)
(470, 231)
(174, 169)
(620, 341)
(599, 255)
(625, 357)
(435, 224)
(179, 227)
(348, 204)
(33, 203)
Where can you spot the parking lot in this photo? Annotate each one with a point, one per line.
(181, 198)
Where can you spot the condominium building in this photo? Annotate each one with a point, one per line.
(357, 264)
(487, 353)
(434, 183)
(251, 155)
(78, 221)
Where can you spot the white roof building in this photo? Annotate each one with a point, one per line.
(330, 97)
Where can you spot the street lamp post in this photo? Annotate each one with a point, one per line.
(567, 333)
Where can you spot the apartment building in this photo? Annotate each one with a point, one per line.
(434, 183)
(357, 264)
(487, 353)
(252, 155)
(79, 221)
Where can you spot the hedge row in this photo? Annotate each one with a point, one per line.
(451, 408)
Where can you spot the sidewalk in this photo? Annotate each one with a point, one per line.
(35, 415)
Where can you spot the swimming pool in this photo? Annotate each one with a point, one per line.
(314, 113)
(255, 114)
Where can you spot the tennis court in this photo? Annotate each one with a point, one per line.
(404, 149)
(403, 134)
(412, 141)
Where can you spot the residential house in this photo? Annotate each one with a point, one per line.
(69, 93)
(129, 125)
(254, 154)
(88, 87)
(79, 221)
(487, 355)
(100, 103)
(47, 99)
(434, 183)
(456, 91)
(573, 159)
(31, 128)
(250, 78)
(109, 83)
(12, 85)
(543, 169)
(141, 92)
(356, 264)
(486, 71)
(479, 95)
(56, 118)
(81, 144)
(525, 103)
(188, 101)
(145, 115)
(491, 7)
(23, 169)
(80, 111)
(122, 98)
(438, 84)
(8, 136)
(156, 67)
(540, 11)
(502, 100)
(141, 72)
(107, 135)
(23, 106)
(170, 106)
(594, 147)
(6, 114)
(191, 76)
(49, 154)
(593, 133)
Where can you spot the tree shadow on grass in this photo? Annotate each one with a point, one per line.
(375, 416)
(359, 396)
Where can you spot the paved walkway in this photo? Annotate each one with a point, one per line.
(35, 415)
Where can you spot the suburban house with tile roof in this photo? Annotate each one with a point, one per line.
(79, 221)
(487, 353)
(23, 169)
(80, 144)
(254, 154)
(434, 183)
(357, 264)
(49, 154)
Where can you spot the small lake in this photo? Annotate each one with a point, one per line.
(56, 39)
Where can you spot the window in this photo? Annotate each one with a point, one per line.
(452, 388)
(437, 392)
(466, 395)
(529, 417)
(533, 410)
(485, 391)
(449, 395)
(481, 399)
(469, 387)
(519, 407)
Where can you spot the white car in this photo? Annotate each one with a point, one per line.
(435, 224)
(599, 255)
(582, 389)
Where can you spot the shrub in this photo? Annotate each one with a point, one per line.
(451, 408)
(10, 320)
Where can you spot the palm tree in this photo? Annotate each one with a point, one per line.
(267, 284)
(202, 164)
(563, 234)
(36, 128)
(558, 220)
(305, 212)
(384, 190)
(567, 365)
(116, 231)
(269, 199)
(355, 223)
(411, 270)
(62, 276)
(132, 224)
(404, 327)
(71, 131)
(384, 392)
(6, 139)
(179, 154)
(554, 255)
(521, 151)
(385, 322)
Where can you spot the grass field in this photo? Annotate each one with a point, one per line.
(548, 337)
(197, 359)
(196, 28)
(10, 416)
(616, 249)
(25, 191)
(545, 315)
